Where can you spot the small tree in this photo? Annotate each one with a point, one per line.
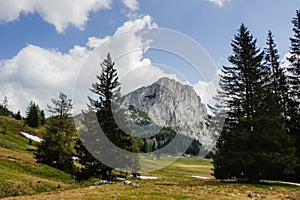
(18, 116)
(33, 116)
(42, 117)
(57, 147)
(61, 106)
(4, 108)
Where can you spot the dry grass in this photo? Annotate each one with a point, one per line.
(175, 183)
(18, 155)
(169, 189)
(19, 175)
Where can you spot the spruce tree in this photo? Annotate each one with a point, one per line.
(294, 85)
(18, 116)
(278, 153)
(42, 117)
(277, 78)
(106, 94)
(33, 115)
(89, 165)
(252, 144)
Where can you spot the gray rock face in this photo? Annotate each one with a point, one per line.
(171, 104)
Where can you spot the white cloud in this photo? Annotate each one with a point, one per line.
(208, 89)
(126, 48)
(40, 74)
(219, 3)
(131, 4)
(60, 13)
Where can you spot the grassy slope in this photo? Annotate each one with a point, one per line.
(175, 182)
(23, 175)
(19, 172)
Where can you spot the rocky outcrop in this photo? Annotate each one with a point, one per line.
(169, 103)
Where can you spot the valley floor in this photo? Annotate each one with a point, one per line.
(176, 182)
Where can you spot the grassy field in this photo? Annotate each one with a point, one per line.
(175, 182)
(22, 178)
(19, 172)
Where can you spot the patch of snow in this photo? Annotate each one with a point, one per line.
(146, 177)
(32, 137)
(283, 182)
(201, 177)
(75, 158)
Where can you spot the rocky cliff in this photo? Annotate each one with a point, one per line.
(169, 103)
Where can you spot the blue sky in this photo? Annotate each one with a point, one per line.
(55, 34)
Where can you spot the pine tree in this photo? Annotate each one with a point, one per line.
(89, 165)
(33, 115)
(42, 117)
(277, 78)
(4, 108)
(61, 106)
(252, 144)
(106, 92)
(18, 116)
(57, 147)
(276, 105)
(294, 83)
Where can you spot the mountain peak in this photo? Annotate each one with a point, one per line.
(170, 103)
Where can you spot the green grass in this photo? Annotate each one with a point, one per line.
(10, 136)
(19, 172)
(22, 178)
(19, 178)
(175, 182)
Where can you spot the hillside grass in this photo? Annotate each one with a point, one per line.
(22, 178)
(19, 172)
(175, 182)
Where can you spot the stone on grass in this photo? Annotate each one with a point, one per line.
(253, 194)
(127, 182)
(102, 182)
(135, 185)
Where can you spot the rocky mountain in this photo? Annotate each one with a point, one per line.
(168, 103)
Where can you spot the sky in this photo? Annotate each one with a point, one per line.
(53, 46)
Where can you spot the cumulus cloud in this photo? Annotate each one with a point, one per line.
(208, 89)
(60, 13)
(131, 4)
(219, 3)
(127, 49)
(40, 74)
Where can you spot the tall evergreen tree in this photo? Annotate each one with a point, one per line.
(278, 78)
(294, 83)
(252, 144)
(106, 92)
(89, 165)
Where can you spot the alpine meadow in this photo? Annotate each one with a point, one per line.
(107, 99)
